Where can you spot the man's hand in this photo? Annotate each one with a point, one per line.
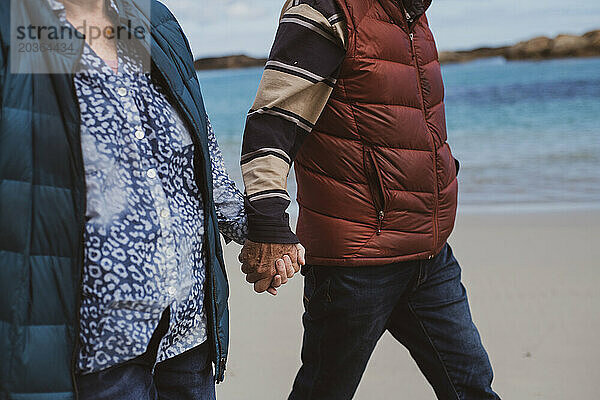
(270, 265)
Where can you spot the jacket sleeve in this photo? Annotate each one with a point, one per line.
(229, 202)
(296, 85)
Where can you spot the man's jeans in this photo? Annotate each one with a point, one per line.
(188, 376)
(423, 304)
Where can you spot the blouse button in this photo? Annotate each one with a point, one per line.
(122, 92)
(139, 134)
(151, 173)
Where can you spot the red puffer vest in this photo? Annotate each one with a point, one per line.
(376, 178)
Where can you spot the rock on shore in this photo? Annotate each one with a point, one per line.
(587, 45)
(228, 62)
(539, 48)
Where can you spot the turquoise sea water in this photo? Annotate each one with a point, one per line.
(527, 133)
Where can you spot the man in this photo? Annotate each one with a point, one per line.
(353, 95)
(112, 197)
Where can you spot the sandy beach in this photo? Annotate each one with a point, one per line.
(532, 280)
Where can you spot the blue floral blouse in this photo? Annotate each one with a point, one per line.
(144, 234)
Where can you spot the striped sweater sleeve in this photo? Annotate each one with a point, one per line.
(297, 82)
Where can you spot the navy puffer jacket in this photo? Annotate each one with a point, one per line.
(42, 205)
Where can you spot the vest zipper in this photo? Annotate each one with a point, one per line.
(380, 216)
(435, 150)
(375, 184)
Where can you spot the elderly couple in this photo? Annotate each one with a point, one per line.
(113, 197)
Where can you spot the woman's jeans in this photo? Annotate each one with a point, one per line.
(188, 376)
(423, 304)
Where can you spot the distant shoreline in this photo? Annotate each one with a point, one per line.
(228, 62)
(539, 48)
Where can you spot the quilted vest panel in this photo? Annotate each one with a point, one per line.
(376, 178)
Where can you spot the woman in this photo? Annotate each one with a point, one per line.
(113, 194)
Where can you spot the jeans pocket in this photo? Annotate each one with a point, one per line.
(317, 291)
(309, 284)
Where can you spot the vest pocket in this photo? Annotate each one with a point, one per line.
(375, 184)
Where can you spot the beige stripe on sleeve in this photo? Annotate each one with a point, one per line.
(265, 173)
(292, 93)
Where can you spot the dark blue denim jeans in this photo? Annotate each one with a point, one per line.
(188, 376)
(423, 304)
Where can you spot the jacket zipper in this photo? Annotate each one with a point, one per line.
(83, 195)
(219, 360)
(435, 183)
(377, 192)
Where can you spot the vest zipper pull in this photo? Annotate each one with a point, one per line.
(411, 36)
(380, 216)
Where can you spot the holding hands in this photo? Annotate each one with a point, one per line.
(270, 265)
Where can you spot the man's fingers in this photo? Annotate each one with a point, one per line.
(275, 284)
(295, 267)
(255, 277)
(301, 254)
(281, 270)
(297, 260)
(294, 257)
(262, 285)
(289, 267)
(277, 281)
(249, 268)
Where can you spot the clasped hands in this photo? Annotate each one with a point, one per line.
(270, 265)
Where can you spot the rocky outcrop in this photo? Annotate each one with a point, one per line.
(539, 48)
(229, 62)
(587, 45)
(469, 55)
(535, 48)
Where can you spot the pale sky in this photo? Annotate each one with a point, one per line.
(222, 27)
